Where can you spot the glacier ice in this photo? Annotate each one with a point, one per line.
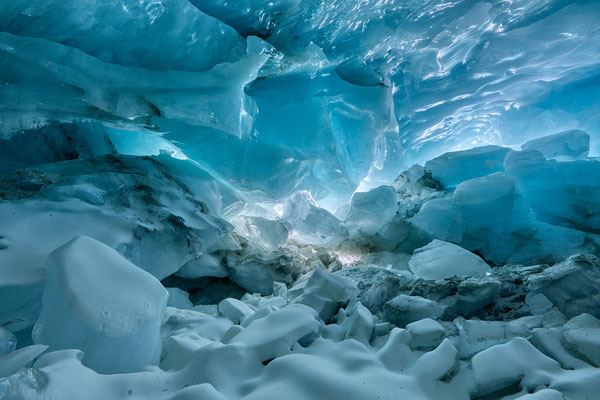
(299, 199)
(569, 145)
(439, 260)
(97, 301)
(581, 334)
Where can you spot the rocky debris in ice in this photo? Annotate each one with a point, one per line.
(97, 301)
(426, 334)
(380, 292)
(12, 362)
(145, 213)
(404, 309)
(440, 260)
(256, 268)
(467, 297)
(452, 168)
(376, 285)
(416, 180)
(473, 294)
(538, 303)
(52, 143)
(365, 276)
(256, 271)
(475, 335)
(278, 349)
(573, 286)
(206, 291)
(582, 336)
(569, 145)
(506, 294)
(415, 186)
(510, 304)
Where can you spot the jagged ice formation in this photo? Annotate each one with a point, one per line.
(209, 199)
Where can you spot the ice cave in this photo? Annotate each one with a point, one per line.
(300, 199)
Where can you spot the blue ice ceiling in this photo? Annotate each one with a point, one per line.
(272, 97)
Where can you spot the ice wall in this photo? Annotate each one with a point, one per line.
(329, 95)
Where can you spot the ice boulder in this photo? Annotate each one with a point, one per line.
(441, 260)
(561, 193)
(310, 224)
(544, 394)
(234, 310)
(266, 233)
(473, 294)
(512, 363)
(370, 210)
(12, 362)
(274, 335)
(97, 301)
(426, 334)
(573, 286)
(486, 202)
(325, 293)
(475, 335)
(452, 168)
(569, 145)
(441, 218)
(582, 336)
(404, 309)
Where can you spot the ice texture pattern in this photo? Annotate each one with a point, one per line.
(285, 199)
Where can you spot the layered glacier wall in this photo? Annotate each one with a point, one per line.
(318, 199)
(330, 94)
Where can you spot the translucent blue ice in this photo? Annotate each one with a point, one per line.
(333, 95)
(227, 199)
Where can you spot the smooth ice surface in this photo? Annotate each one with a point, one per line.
(439, 260)
(97, 301)
(14, 361)
(567, 146)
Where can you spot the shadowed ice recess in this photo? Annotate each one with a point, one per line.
(300, 199)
